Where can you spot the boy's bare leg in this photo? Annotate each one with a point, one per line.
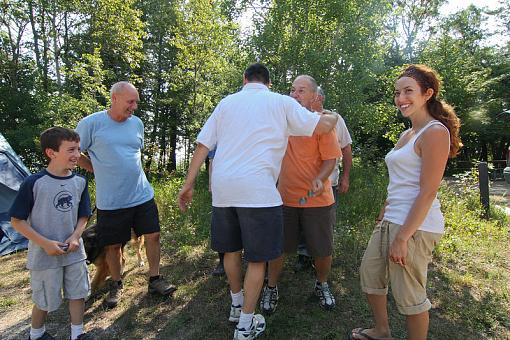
(38, 317)
(253, 281)
(76, 310)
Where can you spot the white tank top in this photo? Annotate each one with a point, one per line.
(404, 169)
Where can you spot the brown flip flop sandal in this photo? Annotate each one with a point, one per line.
(364, 336)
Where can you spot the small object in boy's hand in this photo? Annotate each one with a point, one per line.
(64, 247)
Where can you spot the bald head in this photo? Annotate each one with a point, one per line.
(124, 101)
(312, 83)
(120, 87)
(304, 90)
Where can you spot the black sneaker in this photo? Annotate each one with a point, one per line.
(114, 294)
(326, 298)
(219, 270)
(303, 262)
(269, 300)
(85, 336)
(45, 336)
(161, 286)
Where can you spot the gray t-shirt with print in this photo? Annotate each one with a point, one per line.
(52, 206)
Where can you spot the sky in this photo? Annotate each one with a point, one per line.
(452, 6)
(492, 25)
(455, 5)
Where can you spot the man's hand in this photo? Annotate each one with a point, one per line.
(185, 197)
(344, 185)
(317, 186)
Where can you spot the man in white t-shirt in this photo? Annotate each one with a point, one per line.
(250, 129)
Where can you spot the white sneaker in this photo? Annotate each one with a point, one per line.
(258, 326)
(235, 313)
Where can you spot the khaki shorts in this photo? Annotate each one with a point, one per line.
(316, 225)
(408, 284)
(47, 285)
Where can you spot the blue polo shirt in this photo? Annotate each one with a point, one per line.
(115, 149)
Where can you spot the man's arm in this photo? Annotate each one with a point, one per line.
(210, 172)
(85, 163)
(346, 168)
(186, 193)
(325, 170)
(326, 122)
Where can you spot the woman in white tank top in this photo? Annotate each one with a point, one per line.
(410, 223)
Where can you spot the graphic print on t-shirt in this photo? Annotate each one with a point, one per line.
(63, 201)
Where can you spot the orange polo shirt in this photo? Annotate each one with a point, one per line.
(301, 165)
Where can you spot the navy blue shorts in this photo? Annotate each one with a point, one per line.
(259, 231)
(114, 226)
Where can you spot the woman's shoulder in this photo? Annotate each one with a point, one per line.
(436, 129)
(435, 135)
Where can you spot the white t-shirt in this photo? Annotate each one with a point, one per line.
(344, 138)
(250, 129)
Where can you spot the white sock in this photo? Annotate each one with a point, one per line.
(245, 320)
(237, 298)
(36, 333)
(76, 330)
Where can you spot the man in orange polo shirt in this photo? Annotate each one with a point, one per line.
(308, 202)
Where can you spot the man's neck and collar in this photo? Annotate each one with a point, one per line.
(119, 118)
(253, 84)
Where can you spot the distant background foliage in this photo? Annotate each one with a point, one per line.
(58, 59)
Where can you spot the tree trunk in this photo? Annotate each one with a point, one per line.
(35, 35)
(56, 48)
(483, 151)
(172, 162)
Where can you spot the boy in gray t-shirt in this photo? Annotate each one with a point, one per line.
(51, 210)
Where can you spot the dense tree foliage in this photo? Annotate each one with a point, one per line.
(58, 59)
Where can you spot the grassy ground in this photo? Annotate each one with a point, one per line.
(468, 281)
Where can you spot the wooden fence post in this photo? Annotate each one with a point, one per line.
(483, 183)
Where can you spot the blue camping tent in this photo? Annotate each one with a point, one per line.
(12, 173)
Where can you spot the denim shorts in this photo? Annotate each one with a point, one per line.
(259, 231)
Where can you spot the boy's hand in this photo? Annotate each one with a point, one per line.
(54, 248)
(73, 242)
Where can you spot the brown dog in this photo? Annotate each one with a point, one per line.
(97, 255)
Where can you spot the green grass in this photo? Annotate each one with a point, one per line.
(468, 280)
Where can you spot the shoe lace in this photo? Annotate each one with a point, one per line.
(268, 296)
(326, 294)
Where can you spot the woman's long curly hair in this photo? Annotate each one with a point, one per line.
(427, 78)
